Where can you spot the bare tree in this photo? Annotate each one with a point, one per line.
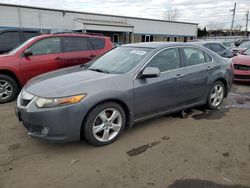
(212, 25)
(171, 14)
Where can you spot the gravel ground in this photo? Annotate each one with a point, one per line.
(194, 149)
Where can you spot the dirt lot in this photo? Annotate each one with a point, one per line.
(204, 149)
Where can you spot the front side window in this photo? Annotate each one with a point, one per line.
(72, 44)
(166, 60)
(119, 60)
(98, 43)
(29, 34)
(193, 56)
(46, 46)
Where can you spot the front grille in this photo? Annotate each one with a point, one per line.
(24, 102)
(242, 76)
(26, 98)
(241, 67)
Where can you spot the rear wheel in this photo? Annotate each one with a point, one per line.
(104, 124)
(8, 88)
(216, 95)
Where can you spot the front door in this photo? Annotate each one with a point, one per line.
(156, 95)
(46, 56)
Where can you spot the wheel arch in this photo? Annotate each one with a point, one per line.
(12, 75)
(129, 117)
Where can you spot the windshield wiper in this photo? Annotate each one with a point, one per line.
(99, 70)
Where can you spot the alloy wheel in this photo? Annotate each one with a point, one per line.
(107, 125)
(6, 89)
(217, 94)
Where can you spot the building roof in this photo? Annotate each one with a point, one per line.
(70, 11)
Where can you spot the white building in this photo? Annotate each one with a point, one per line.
(120, 28)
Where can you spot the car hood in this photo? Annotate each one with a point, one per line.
(5, 57)
(67, 82)
(242, 59)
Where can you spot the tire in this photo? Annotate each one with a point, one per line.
(9, 88)
(100, 128)
(216, 95)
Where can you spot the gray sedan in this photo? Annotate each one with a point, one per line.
(129, 84)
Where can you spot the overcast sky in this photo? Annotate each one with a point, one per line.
(198, 11)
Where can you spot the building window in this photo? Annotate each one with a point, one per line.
(147, 38)
(191, 38)
(185, 39)
(175, 39)
(116, 38)
(168, 39)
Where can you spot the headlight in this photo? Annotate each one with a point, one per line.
(53, 102)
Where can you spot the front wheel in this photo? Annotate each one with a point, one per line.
(216, 95)
(104, 124)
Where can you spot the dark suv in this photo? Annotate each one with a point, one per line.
(46, 53)
(11, 38)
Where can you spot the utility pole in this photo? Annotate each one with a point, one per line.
(232, 25)
(247, 16)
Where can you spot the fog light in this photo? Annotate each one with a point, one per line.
(45, 130)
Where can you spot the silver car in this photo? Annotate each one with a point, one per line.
(129, 84)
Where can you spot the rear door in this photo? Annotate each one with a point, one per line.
(77, 50)
(194, 84)
(47, 56)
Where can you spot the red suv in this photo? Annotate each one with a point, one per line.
(46, 53)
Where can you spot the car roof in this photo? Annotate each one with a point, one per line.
(71, 35)
(157, 44)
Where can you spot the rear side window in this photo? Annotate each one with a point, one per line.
(193, 56)
(208, 46)
(9, 40)
(72, 44)
(166, 60)
(46, 46)
(28, 34)
(98, 43)
(207, 57)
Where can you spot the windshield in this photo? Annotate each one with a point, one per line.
(245, 45)
(119, 60)
(13, 51)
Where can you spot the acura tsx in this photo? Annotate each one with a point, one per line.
(127, 85)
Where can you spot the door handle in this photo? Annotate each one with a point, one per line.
(92, 56)
(58, 58)
(209, 68)
(179, 76)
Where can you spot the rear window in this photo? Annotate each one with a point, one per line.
(76, 44)
(9, 40)
(98, 43)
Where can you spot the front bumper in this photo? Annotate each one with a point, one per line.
(241, 76)
(59, 124)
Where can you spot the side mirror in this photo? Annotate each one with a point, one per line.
(27, 52)
(151, 72)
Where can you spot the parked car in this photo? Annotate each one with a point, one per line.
(217, 47)
(129, 84)
(228, 44)
(11, 38)
(46, 53)
(241, 65)
(241, 48)
(239, 42)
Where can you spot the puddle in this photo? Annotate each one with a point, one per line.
(238, 100)
(193, 183)
(210, 114)
(141, 149)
